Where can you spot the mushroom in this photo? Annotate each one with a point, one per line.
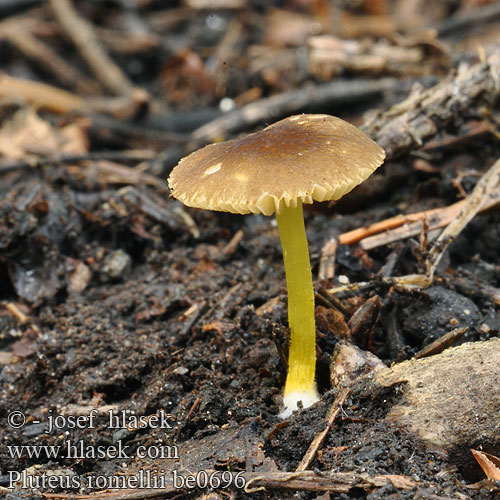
(301, 159)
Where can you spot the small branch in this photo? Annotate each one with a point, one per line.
(329, 481)
(434, 219)
(486, 188)
(404, 226)
(485, 195)
(319, 438)
(272, 108)
(83, 36)
(118, 156)
(19, 34)
(40, 95)
(468, 18)
(300, 481)
(439, 215)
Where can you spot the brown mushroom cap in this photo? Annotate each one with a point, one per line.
(306, 157)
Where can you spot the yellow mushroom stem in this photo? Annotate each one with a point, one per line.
(300, 383)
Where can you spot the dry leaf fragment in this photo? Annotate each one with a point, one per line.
(489, 463)
(26, 133)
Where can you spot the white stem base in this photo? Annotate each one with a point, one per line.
(292, 399)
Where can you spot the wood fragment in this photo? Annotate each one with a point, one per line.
(332, 322)
(319, 438)
(233, 298)
(438, 217)
(392, 260)
(110, 172)
(188, 221)
(404, 226)
(191, 321)
(486, 188)
(323, 297)
(476, 288)
(349, 363)
(79, 278)
(197, 401)
(327, 260)
(365, 316)
(443, 395)
(190, 310)
(470, 132)
(442, 343)
(329, 481)
(268, 307)
(16, 312)
(330, 56)
(425, 113)
(233, 243)
(8, 358)
(117, 156)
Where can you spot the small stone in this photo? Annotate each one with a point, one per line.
(115, 266)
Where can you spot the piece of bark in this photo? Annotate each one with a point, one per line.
(450, 401)
(409, 124)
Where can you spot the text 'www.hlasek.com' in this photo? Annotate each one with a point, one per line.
(70, 451)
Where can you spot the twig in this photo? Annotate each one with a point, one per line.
(82, 34)
(329, 481)
(439, 214)
(40, 94)
(275, 107)
(442, 343)
(118, 156)
(114, 173)
(300, 481)
(404, 226)
(468, 18)
(16, 312)
(485, 194)
(486, 187)
(433, 219)
(473, 287)
(319, 438)
(174, 217)
(233, 243)
(18, 33)
(184, 332)
(197, 401)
